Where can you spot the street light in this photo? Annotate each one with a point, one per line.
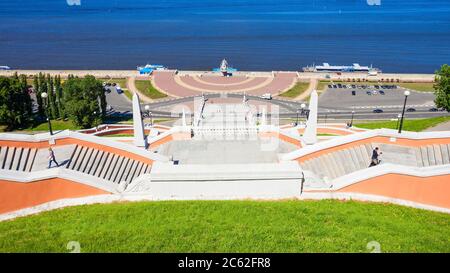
(304, 111)
(398, 120)
(44, 97)
(351, 122)
(298, 112)
(147, 110)
(407, 93)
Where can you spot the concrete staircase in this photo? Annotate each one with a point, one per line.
(343, 162)
(17, 158)
(106, 165)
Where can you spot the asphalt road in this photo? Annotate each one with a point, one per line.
(334, 104)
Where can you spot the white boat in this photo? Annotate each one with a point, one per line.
(4, 67)
(326, 67)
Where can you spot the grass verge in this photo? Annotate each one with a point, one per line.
(295, 91)
(414, 125)
(146, 88)
(418, 86)
(230, 226)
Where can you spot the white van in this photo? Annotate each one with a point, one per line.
(266, 96)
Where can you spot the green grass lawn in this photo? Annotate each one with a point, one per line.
(128, 94)
(423, 87)
(414, 125)
(295, 91)
(57, 125)
(322, 85)
(230, 226)
(146, 87)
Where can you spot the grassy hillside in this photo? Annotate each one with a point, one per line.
(230, 226)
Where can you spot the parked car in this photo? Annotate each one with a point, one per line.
(381, 92)
(353, 93)
(374, 92)
(369, 93)
(434, 109)
(378, 110)
(330, 86)
(410, 110)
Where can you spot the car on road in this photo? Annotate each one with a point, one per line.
(118, 89)
(330, 86)
(266, 96)
(381, 92)
(378, 110)
(411, 110)
(353, 86)
(369, 93)
(434, 109)
(334, 86)
(353, 93)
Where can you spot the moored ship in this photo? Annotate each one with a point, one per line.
(326, 67)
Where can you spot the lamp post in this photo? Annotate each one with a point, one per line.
(398, 120)
(44, 97)
(298, 112)
(149, 114)
(302, 106)
(407, 93)
(351, 122)
(95, 121)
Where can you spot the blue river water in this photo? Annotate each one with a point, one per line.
(396, 35)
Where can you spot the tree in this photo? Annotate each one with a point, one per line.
(59, 97)
(51, 98)
(42, 88)
(82, 104)
(14, 103)
(442, 87)
(27, 103)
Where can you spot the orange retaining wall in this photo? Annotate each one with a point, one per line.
(333, 131)
(377, 139)
(433, 190)
(16, 195)
(281, 137)
(69, 141)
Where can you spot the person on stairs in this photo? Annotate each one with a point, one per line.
(375, 157)
(51, 158)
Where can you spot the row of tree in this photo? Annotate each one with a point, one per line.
(81, 100)
(15, 102)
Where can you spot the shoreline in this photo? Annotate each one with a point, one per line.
(410, 77)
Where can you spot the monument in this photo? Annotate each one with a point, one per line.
(310, 135)
(139, 136)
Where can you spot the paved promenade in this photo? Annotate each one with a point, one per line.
(301, 75)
